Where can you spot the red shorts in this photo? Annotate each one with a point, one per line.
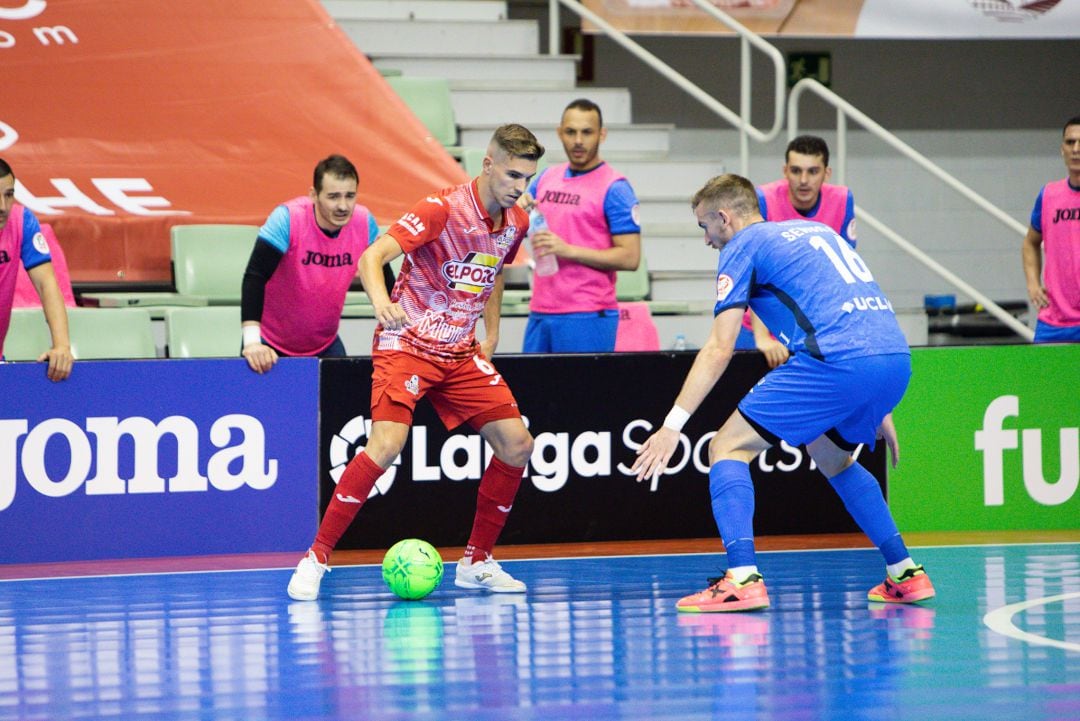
(469, 391)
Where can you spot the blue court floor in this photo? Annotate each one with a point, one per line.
(594, 638)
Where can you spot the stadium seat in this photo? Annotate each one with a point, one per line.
(209, 332)
(98, 333)
(429, 99)
(209, 260)
(472, 159)
(28, 335)
(634, 285)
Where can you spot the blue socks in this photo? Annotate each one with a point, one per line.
(862, 497)
(733, 508)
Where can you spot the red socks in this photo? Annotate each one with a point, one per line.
(352, 490)
(494, 499)
(498, 487)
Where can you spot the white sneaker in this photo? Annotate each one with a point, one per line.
(304, 584)
(486, 575)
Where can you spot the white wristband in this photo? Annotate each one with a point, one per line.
(252, 334)
(676, 418)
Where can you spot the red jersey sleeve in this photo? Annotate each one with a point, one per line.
(422, 224)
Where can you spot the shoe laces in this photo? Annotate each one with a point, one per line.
(752, 578)
(910, 574)
(490, 565)
(325, 568)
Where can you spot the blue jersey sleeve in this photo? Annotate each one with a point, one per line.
(621, 208)
(373, 229)
(1036, 214)
(275, 230)
(847, 227)
(35, 249)
(734, 278)
(763, 207)
(536, 182)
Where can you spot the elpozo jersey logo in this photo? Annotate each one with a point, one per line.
(474, 274)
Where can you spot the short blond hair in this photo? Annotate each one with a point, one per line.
(729, 192)
(517, 141)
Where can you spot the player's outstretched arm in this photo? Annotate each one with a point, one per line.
(709, 364)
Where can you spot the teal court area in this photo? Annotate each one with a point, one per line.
(594, 638)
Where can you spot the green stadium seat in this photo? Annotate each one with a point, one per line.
(208, 269)
(429, 99)
(28, 335)
(112, 333)
(472, 160)
(634, 285)
(210, 332)
(631, 285)
(209, 260)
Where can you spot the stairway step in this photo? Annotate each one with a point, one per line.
(684, 252)
(668, 177)
(447, 37)
(475, 105)
(536, 71)
(648, 139)
(665, 210)
(415, 9)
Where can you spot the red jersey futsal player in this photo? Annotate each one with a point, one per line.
(456, 242)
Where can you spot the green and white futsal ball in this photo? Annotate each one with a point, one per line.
(412, 568)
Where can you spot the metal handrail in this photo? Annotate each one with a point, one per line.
(740, 120)
(844, 109)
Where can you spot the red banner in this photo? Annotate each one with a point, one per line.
(122, 118)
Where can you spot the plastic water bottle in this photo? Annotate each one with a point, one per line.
(680, 342)
(542, 265)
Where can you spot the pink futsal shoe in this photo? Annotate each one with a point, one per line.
(725, 594)
(912, 586)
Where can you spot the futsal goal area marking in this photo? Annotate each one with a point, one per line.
(1000, 621)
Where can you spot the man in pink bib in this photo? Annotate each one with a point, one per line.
(302, 265)
(1054, 286)
(594, 230)
(803, 193)
(23, 243)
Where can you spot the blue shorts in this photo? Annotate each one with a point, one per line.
(1046, 333)
(845, 400)
(591, 332)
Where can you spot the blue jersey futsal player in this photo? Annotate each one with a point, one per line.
(849, 368)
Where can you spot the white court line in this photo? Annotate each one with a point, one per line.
(129, 574)
(1000, 621)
